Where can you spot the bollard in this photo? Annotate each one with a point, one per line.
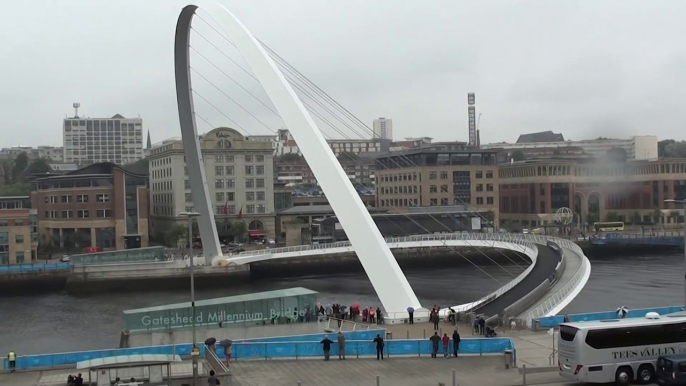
(378, 381)
(408, 334)
(298, 383)
(425, 333)
(524, 375)
(454, 378)
(440, 331)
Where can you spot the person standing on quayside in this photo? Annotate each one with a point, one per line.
(434, 344)
(456, 342)
(379, 347)
(12, 360)
(341, 345)
(326, 345)
(435, 319)
(410, 310)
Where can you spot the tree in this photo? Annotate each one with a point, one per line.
(517, 156)
(657, 214)
(291, 157)
(611, 217)
(635, 218)
(489, 215)
(675, 149)
(38, 166)
(662, 147)
(20, 163)
(175, 234)
(15, 190)
(592, 218)
(239, 230)
(6, 166)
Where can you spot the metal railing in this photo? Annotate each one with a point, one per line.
(555, 299)
(504, 237)
(335, 324)
(35, 267)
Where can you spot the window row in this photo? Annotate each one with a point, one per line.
(398, 177)
(249, 209)
(80, 198)
(405, 189)
(67, 214)
(230, 170)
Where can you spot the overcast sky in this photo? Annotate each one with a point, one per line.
(583, 68)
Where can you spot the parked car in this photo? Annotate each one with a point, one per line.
(64, 258)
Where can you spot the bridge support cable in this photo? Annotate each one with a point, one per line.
(312, 86)
(310, 108)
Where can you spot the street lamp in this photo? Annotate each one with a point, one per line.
(682, 202)
(194, 350)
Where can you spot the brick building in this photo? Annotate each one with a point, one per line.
(101, 205)
(18, 239)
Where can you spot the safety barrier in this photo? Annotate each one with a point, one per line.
(554, 321)
(273, 350)
(574, 284)
(37, 267)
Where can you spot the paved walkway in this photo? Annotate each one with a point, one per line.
(470, 371)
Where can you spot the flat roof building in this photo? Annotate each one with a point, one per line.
(90, 140)
(18, 232)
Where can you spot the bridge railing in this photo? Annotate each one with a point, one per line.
(36, 267)
(553, 300)
(505, 237)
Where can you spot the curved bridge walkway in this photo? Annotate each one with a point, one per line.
(544, 267)
(544, 259)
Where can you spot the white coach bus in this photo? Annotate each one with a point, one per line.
(623, 351)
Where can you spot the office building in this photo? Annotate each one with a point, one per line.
(383, 128)
(240, 175)
(100, 205)
(531, 192)
(359, 170)
(435, 177)
(90, 140)
(636, 148)
(18, 238)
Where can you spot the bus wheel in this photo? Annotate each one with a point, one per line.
(623, 376)
(645, 373)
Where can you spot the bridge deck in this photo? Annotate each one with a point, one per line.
(572, 263)
(545, 266)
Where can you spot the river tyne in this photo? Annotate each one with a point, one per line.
(59, 322)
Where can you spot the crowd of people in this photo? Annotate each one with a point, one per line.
(355, 313)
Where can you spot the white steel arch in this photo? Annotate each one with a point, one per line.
(385, 274)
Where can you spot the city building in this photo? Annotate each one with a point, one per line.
(637, 147)
(90, 140)
(50, 153)
(63, 167)
(284, 143)
(101, 205)
(240, 175)
(437, 177)
(531, 192)
(383, 128)
(360, 170)
(18, 238)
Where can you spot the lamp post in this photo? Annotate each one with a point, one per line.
(194, 350)
(682, 202)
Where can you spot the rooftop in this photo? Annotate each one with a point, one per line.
(542, 136)
(298, 291)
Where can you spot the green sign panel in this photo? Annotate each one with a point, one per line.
(294, 305)
(139, 255)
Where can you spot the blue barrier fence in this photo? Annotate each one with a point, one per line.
(349, 335)
(554, 321)
(34, 267)
(273, 350)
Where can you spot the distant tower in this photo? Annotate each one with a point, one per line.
(471, 110)
(383, 128)
(76, 109)
(149, 144)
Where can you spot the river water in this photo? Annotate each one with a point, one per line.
(57, 322)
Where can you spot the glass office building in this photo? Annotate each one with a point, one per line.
(293, 305)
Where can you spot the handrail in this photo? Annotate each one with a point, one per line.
(553, 300)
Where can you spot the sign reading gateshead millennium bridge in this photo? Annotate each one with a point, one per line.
(138, 255)
(294, 305)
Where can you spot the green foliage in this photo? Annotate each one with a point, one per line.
(19, 189)
(239, 230)
(518, 155)
(636, 218)
(675, 149)
(611, 217)
(592, 217)
(662, 147)
(489, 215)
(657, 214)
(176, 233)
(39, 166)
(20, 163)
(291, 157)
(141, 166)
(7, 168)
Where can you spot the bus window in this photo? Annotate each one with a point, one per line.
(682, 367)
(568, 333)
(664, 364)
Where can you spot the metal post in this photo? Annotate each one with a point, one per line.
(378, 381)
(454, 378)
(194, 348)
(524, 375)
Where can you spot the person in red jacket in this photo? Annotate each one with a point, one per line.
(446, 345)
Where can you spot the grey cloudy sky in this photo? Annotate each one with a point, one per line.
(583, 68)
